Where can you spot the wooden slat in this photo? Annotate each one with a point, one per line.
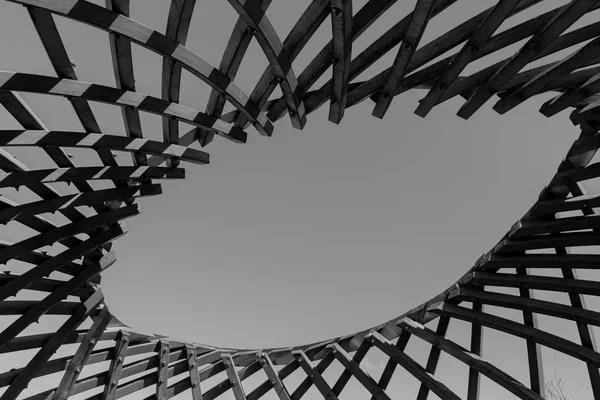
(314, 375)
(233, 55)
(581, 57)
(355, 370)
(532, 305)
(310, 20)
(51, 345)
(194, 376)
(345, 376)
(53, 44)
(516, 329)
(255, 17)
(236, 384)
(116, 366)
(411, 366)
(366, 16)
(410, 42)
(39, 308)
(113, 22)
(10, 210)
(83, 226)
(341, 25)
(307, 382)
(120, 51)
(162, 370)
(41, 138)
(434, 356)
(561, 22)
(266, 386)
(390, 367)
(427, 53)
(82, 354)
(473, 360)
(119, 97)
(476, 344)
(274, 379)
(536, 282)
(467, 54)
(34, 275)
(178, 24)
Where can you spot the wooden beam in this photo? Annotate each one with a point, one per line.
(355, 370)
(178, 24)
(517, 329)
(116, 366)
(434, 356)
(41, 138)
(234, 379)
(341, 25)
(583, 56)
(118, 97)
(255, 17)
(51, 345)
(561, 22)
(470, 359)
(82, 354)
(314, 375)
(476, 350)
(411, 366)
(410, 42)
(366, 16)
(467, 54)
(274, 379)
(113, 22)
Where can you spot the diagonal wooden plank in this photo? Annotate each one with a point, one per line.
(101, 18)
(341, 25)
(254, 15)
(116, 365)
(22, 213)
(314, 375)
(561, 22)
(461, 354)
(581, 57)
(274, 379)
(82, 354)
(434, 357)
(52, 344)
(119, 97)
(355, 370)
(476, 350)
(234, 378)
(517, 329)
(193, 367)
(364, 18)
(345, 376)
(390, 366)
(122, 58)
(53, 44)
(410, 42)
(236, 48)
(467, 54)
(41, 138)
(162, 369)
(178, 24)
(411, 366)
(33, 275)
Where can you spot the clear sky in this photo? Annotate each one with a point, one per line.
(307, 234)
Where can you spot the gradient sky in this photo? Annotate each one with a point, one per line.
(307, 234)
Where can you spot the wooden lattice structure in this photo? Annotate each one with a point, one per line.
(562, 219)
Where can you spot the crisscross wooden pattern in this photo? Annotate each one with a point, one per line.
(547, 249)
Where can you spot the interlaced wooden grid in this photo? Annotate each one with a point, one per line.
(558, 234)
